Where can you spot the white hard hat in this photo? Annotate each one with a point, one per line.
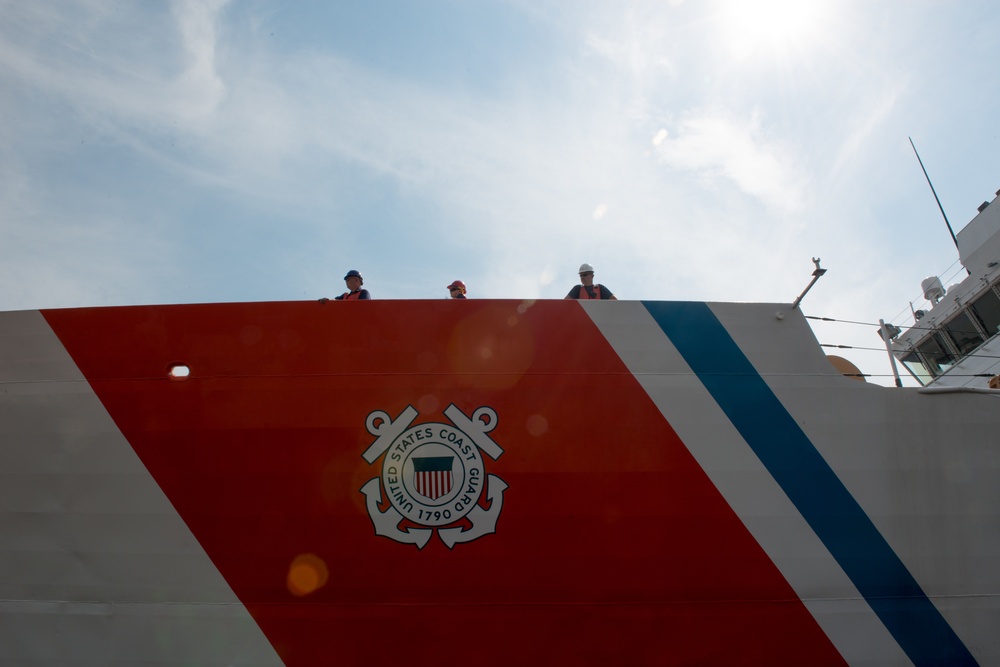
(584, 268)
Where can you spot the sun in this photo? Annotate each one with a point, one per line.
(775, 26)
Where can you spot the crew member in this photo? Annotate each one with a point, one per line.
(588, 290)
(354, 282)
(457, 289)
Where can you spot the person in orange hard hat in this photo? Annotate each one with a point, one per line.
(457, 289)
(587, 289)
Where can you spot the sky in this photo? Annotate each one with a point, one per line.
(252, 150)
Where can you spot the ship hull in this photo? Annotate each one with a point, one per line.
(482, 482)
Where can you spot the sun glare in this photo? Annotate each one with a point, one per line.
(771, 25)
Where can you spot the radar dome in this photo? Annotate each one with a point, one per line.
(933, 289)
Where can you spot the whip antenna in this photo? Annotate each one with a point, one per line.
(941, 208)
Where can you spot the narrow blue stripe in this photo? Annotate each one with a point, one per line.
(809, 482)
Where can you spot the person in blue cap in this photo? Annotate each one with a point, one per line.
(354, 282)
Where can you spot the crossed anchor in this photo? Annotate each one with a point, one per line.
(484, 521)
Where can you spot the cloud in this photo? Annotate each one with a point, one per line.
(865, 122)
(199, 89)
(715, 144)
(102, 61)
(533, 181)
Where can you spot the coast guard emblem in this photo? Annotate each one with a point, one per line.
(433, 477)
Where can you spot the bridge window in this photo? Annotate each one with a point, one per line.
(935, 353)
(987, 310)
(963, 333)
(917, 368)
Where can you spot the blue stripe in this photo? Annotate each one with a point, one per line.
(809, 482)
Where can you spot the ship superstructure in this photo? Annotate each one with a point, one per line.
(954, 342)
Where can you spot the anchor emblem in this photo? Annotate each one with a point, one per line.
(433, 477)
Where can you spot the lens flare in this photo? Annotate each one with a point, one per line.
(537, 425)
(307, 574)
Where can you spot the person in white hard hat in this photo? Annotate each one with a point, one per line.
(588, 290)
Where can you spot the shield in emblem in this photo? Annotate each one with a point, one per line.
(432, 476)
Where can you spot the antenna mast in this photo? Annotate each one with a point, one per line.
(941, 208)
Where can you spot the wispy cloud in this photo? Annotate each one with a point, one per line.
(863, 123)
(715, 144)
(199, 89)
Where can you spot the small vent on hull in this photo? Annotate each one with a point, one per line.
(179, 371)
